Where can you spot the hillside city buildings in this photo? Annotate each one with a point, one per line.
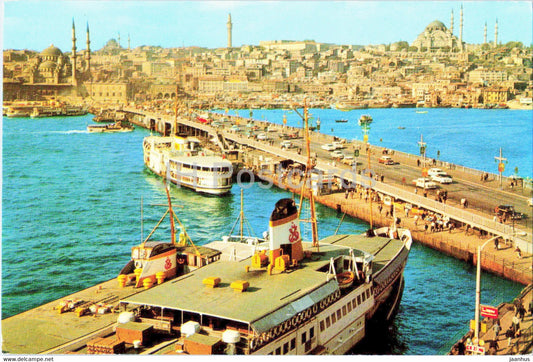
(438, 69)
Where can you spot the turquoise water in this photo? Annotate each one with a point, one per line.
(71, 212)
(467, 137)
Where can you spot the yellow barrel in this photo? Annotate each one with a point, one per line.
(148, 283)
(160, 276)
(122, 280)
(138, 272)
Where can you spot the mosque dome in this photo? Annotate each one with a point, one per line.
(436, 25)
(48, 65)
(52, 51)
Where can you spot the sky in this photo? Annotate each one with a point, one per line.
(37, 24)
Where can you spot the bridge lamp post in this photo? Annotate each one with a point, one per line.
(501, 165)
(422, 145)
(478, 289)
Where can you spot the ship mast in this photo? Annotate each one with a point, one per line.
(370, 183)
(307, 177)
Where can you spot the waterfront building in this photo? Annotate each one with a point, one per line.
(114, 92)
(486, 76)
(495, 95)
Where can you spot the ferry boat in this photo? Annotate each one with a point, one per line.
(184, 163)
(119, 126)
(364, 119)
(40, 112)
(348, 106)
(341, 120)
(289, 298)
(16, 111)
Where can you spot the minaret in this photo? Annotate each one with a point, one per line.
(74, 80)
(485, 34)
(229, 26)
(119, 40)
(129, 41)
(88, 50)
(461, 28)
(451, 23)
(496, 34)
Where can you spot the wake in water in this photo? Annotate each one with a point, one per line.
(62, 132)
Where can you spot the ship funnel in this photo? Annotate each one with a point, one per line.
(284, 230)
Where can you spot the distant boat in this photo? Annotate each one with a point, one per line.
(401, 127)
(341, 120)
(421, 112)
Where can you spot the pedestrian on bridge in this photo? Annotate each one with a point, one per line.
(518, 252)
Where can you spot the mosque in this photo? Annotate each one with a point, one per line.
(437, 37)
(52, 73)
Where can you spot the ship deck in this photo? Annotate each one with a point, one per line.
(267, 295)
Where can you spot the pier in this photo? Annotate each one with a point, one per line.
(389, 184)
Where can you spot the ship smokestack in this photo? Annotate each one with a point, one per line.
(284, 230)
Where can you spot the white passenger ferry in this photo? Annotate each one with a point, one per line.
(181, 161)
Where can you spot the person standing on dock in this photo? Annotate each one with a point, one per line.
(509, 334)
(496, 328)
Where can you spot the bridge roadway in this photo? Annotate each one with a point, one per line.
(482, 197)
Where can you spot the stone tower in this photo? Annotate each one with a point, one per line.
(461, 28)
(88, 50)
(229, 26)
(496, 34)
(485, 34)
(129, 41)
(74, 56)
(451, 23)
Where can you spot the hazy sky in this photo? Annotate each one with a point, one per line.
(37, 24)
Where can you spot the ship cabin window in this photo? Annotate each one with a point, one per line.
(333, 319)
(349, 305)
(293, 343)
(328, 323)
(278, 350)
(343, 310)
(339, 315)
(368, 293)
(304, 337)
(363, 297)
(311, 332)
(321, 326)
(354, 303)
(358, 299)
(286, 348)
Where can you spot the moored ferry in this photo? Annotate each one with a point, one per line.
(181, 161)
(289, 298)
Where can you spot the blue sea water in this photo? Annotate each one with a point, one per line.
(71, 204)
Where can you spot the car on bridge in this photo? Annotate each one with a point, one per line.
(338, 145)
(286, 144)
(425, 183)
(328, 147)
(337, 154)
(262, 136)
(435, 171)
(386, 160)
(348, 160)
(442, 177)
